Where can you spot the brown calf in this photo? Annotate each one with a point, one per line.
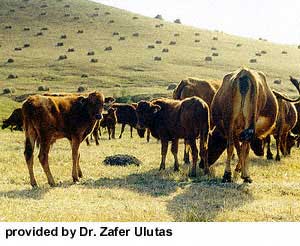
(170, 120)
(109, 121)
(15, 121)
(48, 118)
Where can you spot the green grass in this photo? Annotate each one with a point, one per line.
(130, 193)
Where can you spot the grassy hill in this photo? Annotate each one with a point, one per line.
(130, 193)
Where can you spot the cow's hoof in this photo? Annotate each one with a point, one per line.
(161, 168)
(269, 156)
(192, 174)
(247, 180)
(277, 158)
(34, 184)
(75, 180)
(227, 177)
(52, 184)
(80, 175)
(176, 169)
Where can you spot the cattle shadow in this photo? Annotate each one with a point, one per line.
(205, 201)
(153, 182)
(30, 193)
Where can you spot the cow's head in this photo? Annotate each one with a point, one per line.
(291, 141)
(258, 146)
(95, 104)
(5, 124)
(145, 113)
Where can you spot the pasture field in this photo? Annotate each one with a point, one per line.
(129, 69)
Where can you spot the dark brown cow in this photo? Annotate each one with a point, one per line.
(170, 120)
(48, 118)
(242, 108)
(109, 121)
(15, 121)
(126, 116)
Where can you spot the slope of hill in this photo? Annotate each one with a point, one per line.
(130, 66)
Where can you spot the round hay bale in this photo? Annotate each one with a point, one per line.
(208, 59)
(39, 34)
(158, 17)
(172, 43)
(8, 27)
(165, 50)
(44, 29)
(95, 15)
(96, 8)
(158, 42)
(60, 44)
(157, 58)
(176, 34)
(258, 54)
(277, 82)
(284, 52)
(67, 6)
(43, 14)
(136, 34)
(116, 34)
(63, 36)
(213, 48)
(157, 26)
(44, 6)
(121, 160)
(215, 38)
(299, 46)
(263, 52)
(26, 29)
(18, 49)
(109, 48)
(12, 76)
(151, 46)
(91, 53)
(67, 15)
(76, 18)
(80, 31)
(26, 45)
(135, 17)
(253, 60)
(84, 76)
(10, 60)
(71, 50)
(93, 60)
(171, 86)
(43, 88)
(122, 38)
(238, 45)
(177, 21)
(215, 54)
(111, 21)
(82, 88)
(197, 41)
(197, 34)
(9, 90)
(62, 57)
(107, 13)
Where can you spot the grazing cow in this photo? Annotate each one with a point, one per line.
(196, 87)
(242, 108)
(126, 116)
(48, 118)
(170, 120)
(109, 121)
(286, 120)
(15, 121)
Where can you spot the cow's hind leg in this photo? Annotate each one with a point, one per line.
(28, 153)
(192, 143)
(95, 134)
(43, 157)
(269, 153)
(78, 167)
(238, 167)
(227, 173)
(278, 143)
(186, 154)
(204, 150)
(75, 146)
(109, 132)
(122, 130)
(245, 148)
(131, 129)
(164, 149)
(174, 150)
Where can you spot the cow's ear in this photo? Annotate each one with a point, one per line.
(156, 108)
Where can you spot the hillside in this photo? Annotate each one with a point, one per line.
(129, 68)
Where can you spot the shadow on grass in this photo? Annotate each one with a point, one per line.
(152, 182)
(35, 193)
(205, 200)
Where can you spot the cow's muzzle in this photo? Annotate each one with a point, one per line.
(98, 116)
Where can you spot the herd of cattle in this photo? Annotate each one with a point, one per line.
(242, 112)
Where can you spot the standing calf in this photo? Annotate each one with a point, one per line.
(170, 120)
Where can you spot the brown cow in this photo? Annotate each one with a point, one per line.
(170, 120)
(242, 108)
(15, 121)
(109, 121)
(48, 118)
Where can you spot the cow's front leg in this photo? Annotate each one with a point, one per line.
(195, 152)
(164, 149)
(174, 149)
(75, 158)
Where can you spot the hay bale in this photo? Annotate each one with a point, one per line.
(71, 50)
(93, 60)
(157, 58)
(177, 21)
(84, 76)
(135, 17)
(263, 52)
(67, 15)
(277, 82)
(107, 13)
(62, 57)
(67, 6)
(176, 34)
(76, 18)
(39, 34)
(95, 15)
(116, 34)
(82, 88)
(157, 26)
(122, 38)
(284, 52)
(208, 59)
(136, 34)
(44, 29)
(253, 60)
(258, 54)
(109, 48)
(161, 24)
(197, 41)
(18, 49)
(165, 50)
(8, 90)
(60, 44)
(215, 54)
(10, 60)
(171, 86)
(26, 29)
(43, 88)
(213, 48)
(111, 21)
(197, 34)
(80, 31)
(299, 46)
(91, 53)
(96, 8)
(215, 38)
(12, 76)
(44, 6)
(158, 42)
(43, 13)
(151, 46)
(121, 160)
(26, 46)
(8, 27)
(172, 43)
(63, 36)
(238, 45)
(159, 17)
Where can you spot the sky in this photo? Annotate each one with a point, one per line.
(275, 20)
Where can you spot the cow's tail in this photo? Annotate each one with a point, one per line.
(178, 90)
(248, 105)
